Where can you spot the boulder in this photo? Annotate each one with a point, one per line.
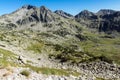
(22, 59)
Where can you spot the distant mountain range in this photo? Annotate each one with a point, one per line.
(105, 20)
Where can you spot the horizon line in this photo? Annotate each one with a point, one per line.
(59, 9)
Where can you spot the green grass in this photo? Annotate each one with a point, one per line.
(53, 71)
(98, 46)
(106, 48)
(94, 48)
(7, 55)
(103, 79)
(93, 45)
(100, 79)
(36, 47)
(25, 73)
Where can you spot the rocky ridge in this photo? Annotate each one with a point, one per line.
(105, 20)
(64, 14)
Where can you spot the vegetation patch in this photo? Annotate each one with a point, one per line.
(53, 71)
(36, 47)
(103, 79)
(25, 73)
(7, 58)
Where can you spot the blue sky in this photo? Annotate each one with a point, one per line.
(70, 6)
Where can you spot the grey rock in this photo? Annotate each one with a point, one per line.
(63, 14)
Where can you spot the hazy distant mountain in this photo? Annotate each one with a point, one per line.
(85, 14)
(63, 14)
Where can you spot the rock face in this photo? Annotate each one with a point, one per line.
(63, 14)
(35, 14)
(26, 15)
(104, 20)
(110, 22)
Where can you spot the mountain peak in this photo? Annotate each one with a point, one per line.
(105, 11)
(63, 14)
(85, 11)
(28, 6)
(59, 11)
(85, 14)
(44, 8)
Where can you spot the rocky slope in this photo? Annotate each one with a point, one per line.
(104, 20)
(39, 44)
(85, 14)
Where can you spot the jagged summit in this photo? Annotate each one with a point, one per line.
(43, 7)
(28, 6)
(45, 10)
(105, 12)
(34, 14)
(63, 14)
(28, 15)
(85, 14)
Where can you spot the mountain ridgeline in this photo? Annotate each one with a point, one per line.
(86, 45)
(105, 20)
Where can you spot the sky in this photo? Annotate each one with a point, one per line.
(71, 6)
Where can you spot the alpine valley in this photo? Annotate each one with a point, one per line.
(39, 44)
